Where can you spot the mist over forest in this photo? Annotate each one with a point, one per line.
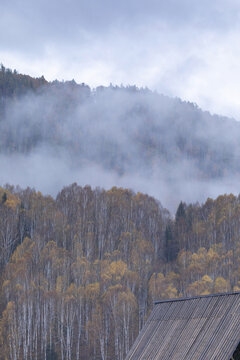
(119, 176)
(80, 269)
(56, 133)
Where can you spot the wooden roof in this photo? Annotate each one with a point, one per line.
(199, 328)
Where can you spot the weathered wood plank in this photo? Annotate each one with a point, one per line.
(199, 328)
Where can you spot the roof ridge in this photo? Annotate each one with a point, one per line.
(196, 297)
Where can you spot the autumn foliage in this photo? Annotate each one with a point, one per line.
(79, 273)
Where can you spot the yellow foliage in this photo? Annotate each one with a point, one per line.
(212, 256)
(12, 200)
(127, 298)
(161, 287)
(71, 289)
(118, 269)
(71, 293)
(9, 311)
(19, 287)
(112, 293)
(201, 287)
(24, 250)
(207, 280)
(6, 283)
(171, 292)
(221, 285)
(59, 284)
(184, 259)
(92, 291)
(205, 292)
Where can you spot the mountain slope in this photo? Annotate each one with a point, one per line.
(131, 137)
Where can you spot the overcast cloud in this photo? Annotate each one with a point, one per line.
(181, 48)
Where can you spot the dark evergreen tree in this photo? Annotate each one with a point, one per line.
(181, 213)
(4, 198)
(171, 243)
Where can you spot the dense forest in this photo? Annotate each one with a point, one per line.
(80, 271)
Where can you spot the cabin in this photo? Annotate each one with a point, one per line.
(198, 328)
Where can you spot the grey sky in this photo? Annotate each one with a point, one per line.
(181, 48)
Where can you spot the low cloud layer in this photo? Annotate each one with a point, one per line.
(181, 48)
(49, 174)
(126, 137)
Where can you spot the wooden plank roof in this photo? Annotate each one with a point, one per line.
(198, 328)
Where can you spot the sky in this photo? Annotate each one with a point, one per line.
(181, 48)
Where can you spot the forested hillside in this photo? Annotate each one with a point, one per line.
(122, 128)
(13, 84)
(79, 273)
(80, 268)
(131, 137)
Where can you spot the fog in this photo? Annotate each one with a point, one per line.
(185, 48)
(117, 136)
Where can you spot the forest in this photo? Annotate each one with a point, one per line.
(80, 269)
(80, 273)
